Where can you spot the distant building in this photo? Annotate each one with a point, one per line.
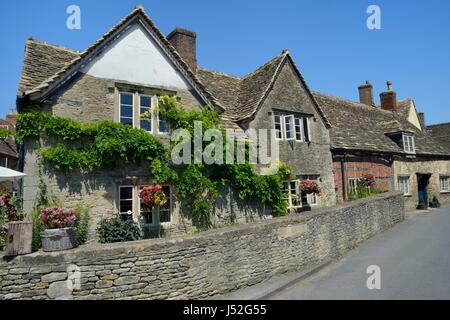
(8, 149)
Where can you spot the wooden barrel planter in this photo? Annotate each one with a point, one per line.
(20, 235)
(58, 239)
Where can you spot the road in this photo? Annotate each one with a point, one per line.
(414, 261)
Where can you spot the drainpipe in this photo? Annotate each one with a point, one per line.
(344, 185)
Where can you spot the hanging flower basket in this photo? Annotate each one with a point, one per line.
(309, 187)
(153, 196)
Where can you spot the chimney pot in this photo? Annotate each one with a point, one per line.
(389, 98)
(366, 93)
(184, 41)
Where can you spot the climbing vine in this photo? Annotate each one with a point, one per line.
(88, 147)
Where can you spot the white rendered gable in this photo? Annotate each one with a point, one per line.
(137, 58)
(413, 118)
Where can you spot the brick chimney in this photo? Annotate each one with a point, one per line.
(389, 98)
(184, 42)
(421, 117)
(366, 94)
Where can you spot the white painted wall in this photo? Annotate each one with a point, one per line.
(413, 117)
(136, 57)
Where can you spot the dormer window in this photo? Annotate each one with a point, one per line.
(408, 143)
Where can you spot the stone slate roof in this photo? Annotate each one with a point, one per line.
(39, 74)
(441, 132)
(41, 61)
(358, 127)
(241, 97)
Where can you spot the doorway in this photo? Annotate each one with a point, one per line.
(423, 180)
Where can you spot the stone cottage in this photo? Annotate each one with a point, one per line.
(389, 141)
(123, 73)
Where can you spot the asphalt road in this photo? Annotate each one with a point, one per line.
(414, 261)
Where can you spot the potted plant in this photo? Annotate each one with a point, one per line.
(58, 228)
(435, 203)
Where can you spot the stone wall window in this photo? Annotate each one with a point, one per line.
(126, 108)
(444, 184)
(130, 206)
(145, 104)
(403, 185)
(292, 194)
(278, 126)
(291, 127)
(126, 201)
(298, 128)
(132, 105)
(408, 143)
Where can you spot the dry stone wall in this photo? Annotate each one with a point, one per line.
(200, 266)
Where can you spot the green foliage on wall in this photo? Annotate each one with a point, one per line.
(104, 144)
(109, 145)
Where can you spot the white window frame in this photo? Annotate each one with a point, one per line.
(4, 126)
(300, 119)
(289, 194)
(280, 116)
(151, 112)
(132, 199)
(444, 183)
(291, 129)
(409, 145)
(155, 210)
(406, 183)
(133, 124)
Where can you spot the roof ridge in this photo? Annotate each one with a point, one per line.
(354, 103)
(219, 73)
(438, 124)
(31, 39)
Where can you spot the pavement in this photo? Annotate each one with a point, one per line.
(413, 259)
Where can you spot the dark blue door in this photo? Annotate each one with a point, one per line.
(422, 186)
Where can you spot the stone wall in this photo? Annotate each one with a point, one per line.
(411, 168)
(200, 266)
(306, 158)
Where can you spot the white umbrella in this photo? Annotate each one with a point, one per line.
(9, 174)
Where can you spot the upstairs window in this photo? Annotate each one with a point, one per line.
(145, 104)
(288, 126)
(444, 184)
(133, 105)
(298, 129)
(126, 108)
(278, 131)
(408, 143)
(291, 127)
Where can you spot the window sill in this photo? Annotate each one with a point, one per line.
(407, 195)
(445, 192)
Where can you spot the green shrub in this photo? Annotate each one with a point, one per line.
(82, 224)
(36, 242)
(435, 203)
(116, 229)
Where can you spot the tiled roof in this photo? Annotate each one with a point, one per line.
(241, 97)
(356, 126)
(441, 132)
(41, 61)
(63, 68)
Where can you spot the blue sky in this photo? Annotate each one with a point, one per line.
(328, 39)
